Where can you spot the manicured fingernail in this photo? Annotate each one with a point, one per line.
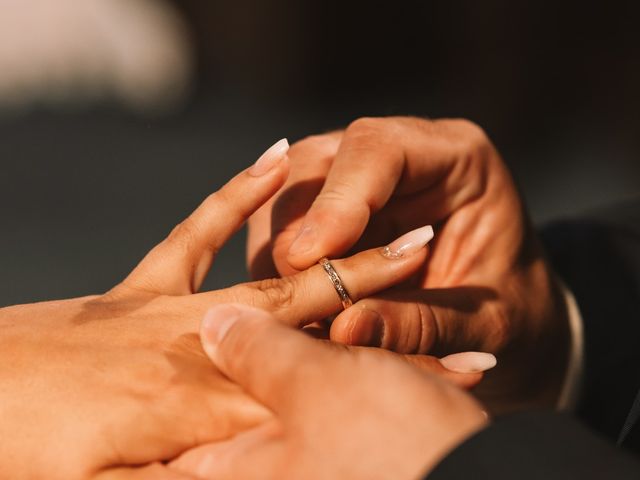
(409, 243)
(304, 241)
(215, 325)
(469, 362)
(270, 158)
(367, 329)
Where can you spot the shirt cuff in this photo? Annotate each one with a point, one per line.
(570, 391)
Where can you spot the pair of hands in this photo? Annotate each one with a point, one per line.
(112, 386)
(112, 382)
(486, 286)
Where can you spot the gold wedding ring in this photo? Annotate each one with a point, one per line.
(337, 282)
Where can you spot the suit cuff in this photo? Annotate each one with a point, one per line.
(571, 387)
(536, 445)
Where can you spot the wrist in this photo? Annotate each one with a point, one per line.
(533, 364)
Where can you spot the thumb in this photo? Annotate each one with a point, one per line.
(435, 321)
(262, 355)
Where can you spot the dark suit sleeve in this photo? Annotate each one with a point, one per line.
(598, 257)
(537, 445)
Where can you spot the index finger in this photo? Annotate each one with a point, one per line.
(280, 217)
(311, 296)
(381, 157)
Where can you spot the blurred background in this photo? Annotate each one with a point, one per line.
(117, 117)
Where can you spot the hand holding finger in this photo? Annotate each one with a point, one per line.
(280, 217)
(298, 378)
(310, 296)
(381, 157)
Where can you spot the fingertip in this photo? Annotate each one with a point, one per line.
(432, 366)
(358, 326)
(463, 379)
(469, 362)
(217, 323)
(466, 381)
(304, 243)
(329, 229)
(338, 332)
(272, 157)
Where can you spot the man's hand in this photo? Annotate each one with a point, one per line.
(338, 413)
(486, 285)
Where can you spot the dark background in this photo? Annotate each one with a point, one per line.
(84, 193)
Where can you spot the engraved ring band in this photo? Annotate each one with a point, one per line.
(337, 282)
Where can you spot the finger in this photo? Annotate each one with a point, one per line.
(436, 321)
(248, 455)
(155, 471)
(310, 296)
(179, 264)
(280, 217)
(264, 356)
(462, 369)
(381, 157)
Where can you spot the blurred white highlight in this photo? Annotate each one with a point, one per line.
(136, 52)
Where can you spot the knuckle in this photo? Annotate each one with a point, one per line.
(473, 152)
(277, 293)
(337, 190)
(184, 235)
(320, 147)
(428, 327)
(219, 198)
(472, 136)
(365, 127)
(499, 318)
(374, 134)
(313, 142)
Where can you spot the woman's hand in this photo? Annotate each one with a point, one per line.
(338, 413)
(109, 385)
(486, 285)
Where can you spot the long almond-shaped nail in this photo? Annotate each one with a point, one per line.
(469, 362)
(409, 243)
(270, 158)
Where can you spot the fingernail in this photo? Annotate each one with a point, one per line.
(269, 158)
(367, 329)
(304, 240)
(215, 325)
(409, 243)
(469, 362)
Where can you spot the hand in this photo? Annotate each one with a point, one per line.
(338, 413)
(486, 285)
(107, 386)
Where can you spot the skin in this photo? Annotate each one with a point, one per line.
(110, 386)
(331, 418)
(486, 285)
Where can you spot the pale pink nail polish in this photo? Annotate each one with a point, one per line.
(409, 243)
(469, 362)
(304, 241)
(270, 158)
